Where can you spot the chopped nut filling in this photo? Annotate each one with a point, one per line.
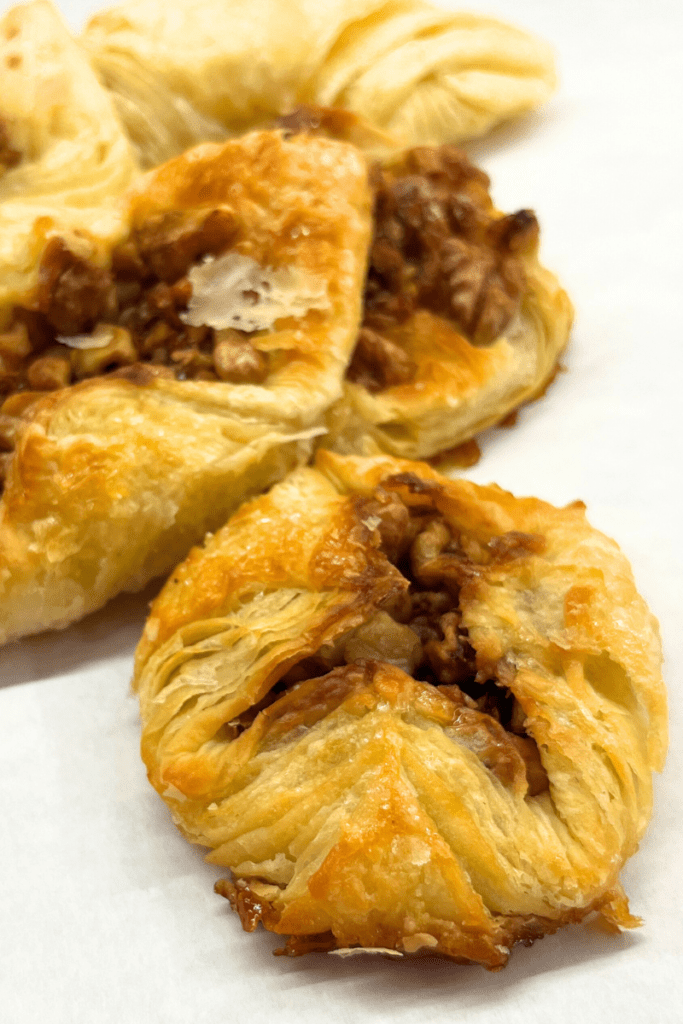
(438, 245)
(87, 320)
(379, 363)
(422, 632)
(72, 293)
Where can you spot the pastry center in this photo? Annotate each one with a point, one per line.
(130, 318)
(421, 631)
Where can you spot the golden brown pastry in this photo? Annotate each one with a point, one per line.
(64, 157)
(224, 318)
(461, 322)
(60, 136)
(186, 72)
(408, 713)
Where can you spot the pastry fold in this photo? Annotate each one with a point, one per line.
(462, 323)
(64, 156)
(185, 73)
(62, 141)
(407, 712)
(113, 478)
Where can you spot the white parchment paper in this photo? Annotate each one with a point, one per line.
(108, 915)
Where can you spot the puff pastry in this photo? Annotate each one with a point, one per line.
(228, 313)
(191, 71)
(64, 156)
(407, 712)
(461, 325)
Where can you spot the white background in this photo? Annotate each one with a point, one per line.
(107, 915)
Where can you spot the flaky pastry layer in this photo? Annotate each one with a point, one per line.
(64, 156)
(463, 323)
(113, 479)
(191, 72)
(407, 712)
(80, 465)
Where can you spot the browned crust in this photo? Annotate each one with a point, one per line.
(378, 836)
(253, 909)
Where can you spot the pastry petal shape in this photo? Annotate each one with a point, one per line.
(189, 72)
(113, 478)
(64, 157)
(462, 323)
(62, 140)
(407, 712)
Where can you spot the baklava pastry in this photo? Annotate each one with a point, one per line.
(461, 322)
(151, 386)
(64, 157)
(189, 71)
(407, 713)
(60, 137)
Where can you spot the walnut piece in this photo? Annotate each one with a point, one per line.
(379, 363)
(439, 245)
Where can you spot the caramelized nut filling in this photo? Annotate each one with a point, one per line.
(86, 321)
(438, 245)
(422, 631)
(101, 319)
(378, 363)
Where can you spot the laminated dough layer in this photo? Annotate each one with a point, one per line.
(408, 713)
(188, 72)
